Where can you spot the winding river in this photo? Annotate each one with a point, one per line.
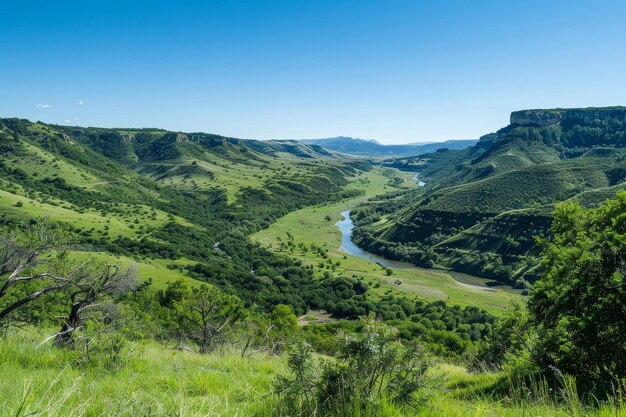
(347, 245)
(419, 182)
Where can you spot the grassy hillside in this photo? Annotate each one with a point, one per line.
(147, 379)
(174, 204)
(151, 379)
(483, 205)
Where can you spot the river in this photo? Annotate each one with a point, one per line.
(419, 182)
(347, 245)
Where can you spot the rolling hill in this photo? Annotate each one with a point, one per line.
(484, 205)
(371, 148)
(179, 205)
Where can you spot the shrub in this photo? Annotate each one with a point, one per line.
(372, 369)
(102, 349)
(578, 305)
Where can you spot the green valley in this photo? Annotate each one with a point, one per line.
(315, 227)
(312, 209)
(150, 272)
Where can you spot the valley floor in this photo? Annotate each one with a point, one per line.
(317, 225)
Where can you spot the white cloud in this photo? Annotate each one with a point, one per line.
(43, 106)
(68, 121)
(81, 102)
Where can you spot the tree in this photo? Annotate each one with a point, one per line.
(206, 314)
(579, 304)
(371, 368)
(94, 283)
(284, 319)
(512, 339)
(24, 279)
(21, 281)
(174, 293)
(274, 333)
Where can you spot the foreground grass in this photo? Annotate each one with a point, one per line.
(155, 380)
(317, 225)
(161, 381)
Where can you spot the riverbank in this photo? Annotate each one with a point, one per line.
(348, 246)
(317, 226)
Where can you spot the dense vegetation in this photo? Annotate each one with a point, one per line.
(573, 323)
(579, 303)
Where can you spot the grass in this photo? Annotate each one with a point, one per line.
(38, 162)
(155, 269)
(220, 173)
(316, 225)
(158, 380)
(132, 221)
(155, 380)
(216, 171)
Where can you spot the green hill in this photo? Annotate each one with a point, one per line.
(482, 206)
(176, 204)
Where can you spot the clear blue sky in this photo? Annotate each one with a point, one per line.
(397, 71)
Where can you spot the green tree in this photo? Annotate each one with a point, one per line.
(579, 305)
(284, 319)
(511, 341)
(206, 315)
(275, 334)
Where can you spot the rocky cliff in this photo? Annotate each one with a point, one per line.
(557, 116)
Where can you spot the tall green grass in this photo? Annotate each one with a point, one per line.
(155, 380)
(158, 380)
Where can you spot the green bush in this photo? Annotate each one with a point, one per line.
(578, 304)
(372, 371)
(100, 348)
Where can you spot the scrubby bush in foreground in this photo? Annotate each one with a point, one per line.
(371, 371)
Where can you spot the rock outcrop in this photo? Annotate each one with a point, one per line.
(489, 137)
(536, 117)
(557, 116)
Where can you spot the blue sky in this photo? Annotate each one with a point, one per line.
(396, 71)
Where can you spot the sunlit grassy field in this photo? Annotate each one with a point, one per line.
(155, 269)
(131, 222)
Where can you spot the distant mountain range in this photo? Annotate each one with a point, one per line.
(370, 147)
